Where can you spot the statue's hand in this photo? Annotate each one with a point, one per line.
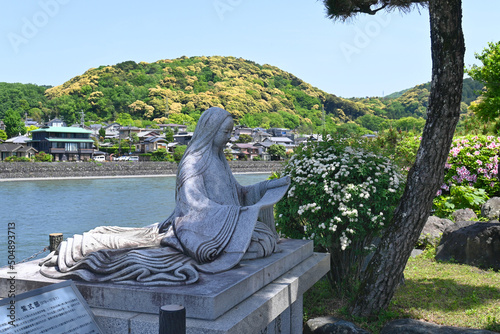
(243, 208)
(276, 183)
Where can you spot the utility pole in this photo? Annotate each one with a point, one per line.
(82, 119)
(129, 140)
(323, 117)
(166, 106)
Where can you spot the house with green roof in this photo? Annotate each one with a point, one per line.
(63, 143)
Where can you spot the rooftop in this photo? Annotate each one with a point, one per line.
(62, 129)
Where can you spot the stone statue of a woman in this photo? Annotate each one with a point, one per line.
(216, 223)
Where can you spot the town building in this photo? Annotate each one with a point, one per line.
(16, 150)
(246, 151)
(112, 130)
(30, 122)
(151, 144)
(280, 132)
(259, 135)
(242, 130)
(183, 138)
(174, 127)
(56, 122)
(285, 141)
(18, 139)
(125, 132)
(63, 143)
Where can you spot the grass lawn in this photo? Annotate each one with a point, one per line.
(441, 293)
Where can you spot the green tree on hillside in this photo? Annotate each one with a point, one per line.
(21, 97)
(169, 135)
(124, 119)
(487, 107)
(134, 139)
(30, 128)
(470, 92)
(244, 138)
(179, 152)
(14, 125)
(276, 151)
(351, 129)
(410, 124)
(181, 119)
(385, 270)
(3, 135)
(102, 133)
(161, 154)
(370, 122)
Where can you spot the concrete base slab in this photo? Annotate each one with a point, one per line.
(209, 298)
(259, 295)
(276, 308)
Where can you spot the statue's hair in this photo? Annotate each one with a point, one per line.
(198, 155)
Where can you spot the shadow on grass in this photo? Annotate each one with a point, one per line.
(445, 294)
(494, 326)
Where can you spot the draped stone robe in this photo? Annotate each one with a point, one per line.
(216, 223)
(210, 226)
(208, 232)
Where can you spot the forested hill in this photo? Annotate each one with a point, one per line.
(413, 102)
(24, 98)
(257, 95)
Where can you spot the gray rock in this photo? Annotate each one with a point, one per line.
(433, 230)
(416, 252)
(491, 209)
(331, 325)
(472, 243)
(464, 215)
(410, 326)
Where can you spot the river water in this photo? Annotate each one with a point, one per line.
(38, 208)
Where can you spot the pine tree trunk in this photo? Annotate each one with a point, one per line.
(385, 270)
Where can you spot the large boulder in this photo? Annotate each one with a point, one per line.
(491, 209)
(472, 243)
(331, 325)
(464, 215)
(410, 326)
(433, 229)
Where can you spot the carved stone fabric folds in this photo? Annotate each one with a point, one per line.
(116, 258)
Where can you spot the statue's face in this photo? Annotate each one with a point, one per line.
(224, 133)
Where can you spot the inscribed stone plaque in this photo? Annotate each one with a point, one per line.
(55, 309)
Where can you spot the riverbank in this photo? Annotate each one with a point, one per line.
(17, 171)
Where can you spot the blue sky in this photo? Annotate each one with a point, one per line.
(51, 41)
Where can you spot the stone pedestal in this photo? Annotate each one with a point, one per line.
(263, 295)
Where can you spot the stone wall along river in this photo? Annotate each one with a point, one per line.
(13, 170)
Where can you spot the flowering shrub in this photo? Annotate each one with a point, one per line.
(471, 175)
(14, 158)
(43, 157)
(341, 198)
(461, 197)
(473, 161)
